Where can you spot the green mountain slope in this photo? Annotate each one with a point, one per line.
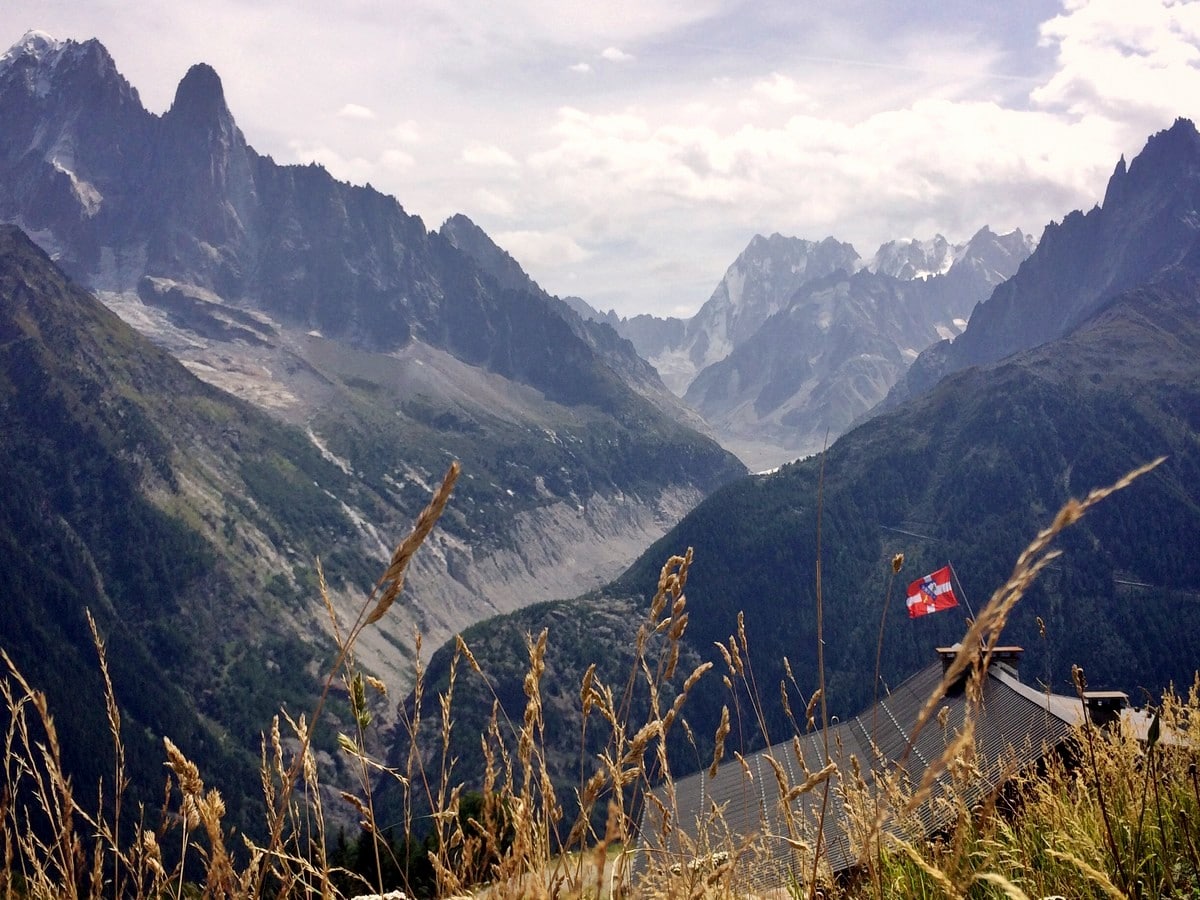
(967, 473)
(170, 511)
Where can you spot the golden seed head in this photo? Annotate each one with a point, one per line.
(185, 770)
(719, 742)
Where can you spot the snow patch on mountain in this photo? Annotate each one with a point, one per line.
(89, 198)
(735, 283)
(328, 454)
(41, 53)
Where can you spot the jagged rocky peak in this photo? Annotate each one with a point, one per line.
(200, 97)
(206, 159)
(1174, 150)
(41, 51)
(1149, 221)
(1180, 144)
(461, 226)
(472, 240)
(828, 254)
(998, 254)
(1116, 182)
(918, 260)
(768, 271)
(80, 78)
(914, 258)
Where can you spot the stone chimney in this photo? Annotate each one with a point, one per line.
(1104, 707)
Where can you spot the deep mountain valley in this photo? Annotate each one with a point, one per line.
(966, 473)
(306, 363)
(224, 379)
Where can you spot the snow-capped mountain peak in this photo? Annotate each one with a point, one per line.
(914, 259)
(37, 44)
(37, 48)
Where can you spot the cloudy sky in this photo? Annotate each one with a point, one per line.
(627, 151)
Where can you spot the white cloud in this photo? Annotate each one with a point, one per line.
(397, 159)
(1134, 62)
(541, 248)
(781, 90)
(494, 203)
(935, 166)
(581, 67)
(406, 132)
(355, 111)
(478, 153)
(616, 55)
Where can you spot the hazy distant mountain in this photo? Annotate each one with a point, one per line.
(757, 285)
(968, 473)
(800, 339)
(587, 311)
(840, 342)
(328, 305)
(907, 260)
(1147, 222)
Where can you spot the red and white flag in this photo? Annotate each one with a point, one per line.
(931, 594)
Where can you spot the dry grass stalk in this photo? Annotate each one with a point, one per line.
(393, 578)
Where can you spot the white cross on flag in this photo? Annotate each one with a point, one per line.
(931, 594)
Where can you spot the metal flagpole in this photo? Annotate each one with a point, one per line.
(961, 592)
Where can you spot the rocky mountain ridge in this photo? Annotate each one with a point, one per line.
(332, 308)
(841, 342)
(185, 521)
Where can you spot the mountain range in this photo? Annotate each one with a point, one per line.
(394, 350)
(800, 338)
(1143, 225)
(966, 472)
(305, 360)
(215, 370)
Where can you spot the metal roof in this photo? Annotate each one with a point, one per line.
(741, 809)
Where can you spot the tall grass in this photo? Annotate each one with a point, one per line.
(1121, 818)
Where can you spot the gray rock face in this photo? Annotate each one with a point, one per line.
(588, 326)
(907, 260)
(119, 195)
(757, 285)
(801, 338)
